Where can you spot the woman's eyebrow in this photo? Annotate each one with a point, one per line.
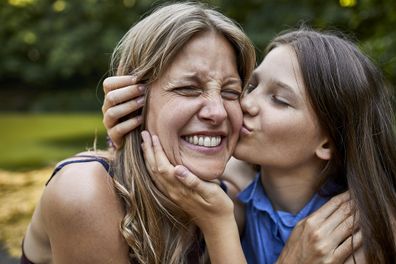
(197, 77)
(183, 79)
(232, 81)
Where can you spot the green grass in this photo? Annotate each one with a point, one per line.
(30, 144)
(31, 141)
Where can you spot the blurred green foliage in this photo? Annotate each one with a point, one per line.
(66, 44)
(35, 140)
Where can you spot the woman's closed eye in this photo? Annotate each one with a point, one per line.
(231, 94)
(188, 91)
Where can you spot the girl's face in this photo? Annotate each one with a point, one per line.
(280, 129)
(194, 107)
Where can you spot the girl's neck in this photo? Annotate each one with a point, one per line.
(291, 190)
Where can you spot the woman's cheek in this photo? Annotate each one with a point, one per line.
(235, 115)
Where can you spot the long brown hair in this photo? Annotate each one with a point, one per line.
(353, 103)
(156, 229)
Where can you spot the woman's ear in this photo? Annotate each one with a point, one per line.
(324, 150)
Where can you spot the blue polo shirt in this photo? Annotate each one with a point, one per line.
(267, 230)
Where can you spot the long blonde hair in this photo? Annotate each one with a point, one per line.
(155, 229)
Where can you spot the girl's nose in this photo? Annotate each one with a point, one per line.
(249, 106)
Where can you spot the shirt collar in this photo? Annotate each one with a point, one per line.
(255, 195)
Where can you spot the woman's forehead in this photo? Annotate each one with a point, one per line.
(205, 55)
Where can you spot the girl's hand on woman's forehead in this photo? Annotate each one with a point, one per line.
(205, 202)
(122, 97)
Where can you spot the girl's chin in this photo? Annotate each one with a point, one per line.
(242, 153)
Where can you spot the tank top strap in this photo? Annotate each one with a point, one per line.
(223, 186)
(82, 159)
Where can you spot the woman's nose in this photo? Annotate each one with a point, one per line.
(213, 110)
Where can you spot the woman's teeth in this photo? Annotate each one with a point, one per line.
(204, 140)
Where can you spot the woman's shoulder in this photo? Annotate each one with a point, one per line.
(81, 213)
(79, 190)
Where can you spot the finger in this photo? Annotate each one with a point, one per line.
(344, 230)
(122, 94)
(148, 153)
(348, 247)
(328, 208)
(163, 164)
(337, 218)
(118, 132)
(115, 82)
(205, 189)
(113, 114)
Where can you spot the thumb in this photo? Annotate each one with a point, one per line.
(188, 178)
(205, 189)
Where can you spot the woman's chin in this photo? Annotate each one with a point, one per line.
(207, 174)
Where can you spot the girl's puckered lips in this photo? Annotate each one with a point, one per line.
(245, 130)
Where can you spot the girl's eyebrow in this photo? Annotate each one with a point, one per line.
(288, 90)
(254, 77)
(283, 86)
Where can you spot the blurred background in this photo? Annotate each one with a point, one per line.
(55, 53)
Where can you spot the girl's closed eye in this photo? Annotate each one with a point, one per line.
(280, 101)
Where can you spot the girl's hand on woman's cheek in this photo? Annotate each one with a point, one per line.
(326, 235)
(122, 97)
(206, 203)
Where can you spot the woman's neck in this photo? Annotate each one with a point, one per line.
(290, 190)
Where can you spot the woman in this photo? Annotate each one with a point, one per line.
(320, 87)
(85, 217)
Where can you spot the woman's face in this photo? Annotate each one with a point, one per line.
(280, 129)
(194, 106)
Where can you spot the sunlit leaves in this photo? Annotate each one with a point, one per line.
(20, 3)
(348, 3)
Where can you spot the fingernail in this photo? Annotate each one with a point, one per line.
(134, 77)
(140, 100)
(154, 139)
(181, 172)
(142, 88)
(143, 135)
